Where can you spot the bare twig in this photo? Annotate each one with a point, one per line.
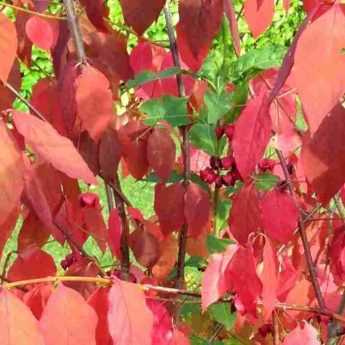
(120, 204)
(276, 337)
(75, 30)
(26, 102)
(185, 147)
(301, 230)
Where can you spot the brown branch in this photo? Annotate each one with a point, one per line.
(185, 148)
(124, 246)
(74, 27)
(301, 230)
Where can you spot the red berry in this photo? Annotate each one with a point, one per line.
(68, 261)
(229, 131)
(228, 179)
(266, 164)
(215, 163)
(88, 200)
(208, 175)
(228, 162)
(219, 132)
(265, 329)
(219, 181)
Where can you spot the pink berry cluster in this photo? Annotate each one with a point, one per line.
(222, 171)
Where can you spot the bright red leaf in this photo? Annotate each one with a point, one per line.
(18, 326)
(323, 156)
(79, 319)
(197, 16)
(161, 152)
(319, 69)
(8, 46)
(245, 214)
(31, 264)
(279, 215)
(52, 147)
(130, 321)
(42, 32)
(252, 134)
(94, 101)
(139, 15)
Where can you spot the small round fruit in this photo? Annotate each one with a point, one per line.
(229, 131)
(266, 165)
(208, 175)
(228, 179)
(228, 162)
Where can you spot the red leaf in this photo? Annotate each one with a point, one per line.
(307, 334)
(8, 46)
(6, 96)
(42, 32)
(319, 69)
(252, 134)
(196, 17)
(18, 326)
(145, 247)
(161, 152)
(258, 16)
(52, 147)
(167, 260)
(245, 214)
(11, 174)
(115, 231)
(282, 225)
(169, 206)
(139, 15)
(269, 279)
(242, 278)
(196, 209)
(99, 302)
(130, 321)
(214, 284)
(32, 233)
(79, 319)
(94, 101)
(109, 154)
(37, 298)
(323, 156)
(7, 228)
(96, 11)
(31, 264)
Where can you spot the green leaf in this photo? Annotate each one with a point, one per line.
(203, 136)
(148, 76)
(217, 245)
(222, 214)
(169, 108)
(216, 106)
(200, 341)
(258, 59)
(221, 313)
(266, 181)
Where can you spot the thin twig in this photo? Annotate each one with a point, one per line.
(124, 247)
(301, 230)
(276, 337)
(110, 197)
(26, 10)
(185, 147)
(26, 102)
